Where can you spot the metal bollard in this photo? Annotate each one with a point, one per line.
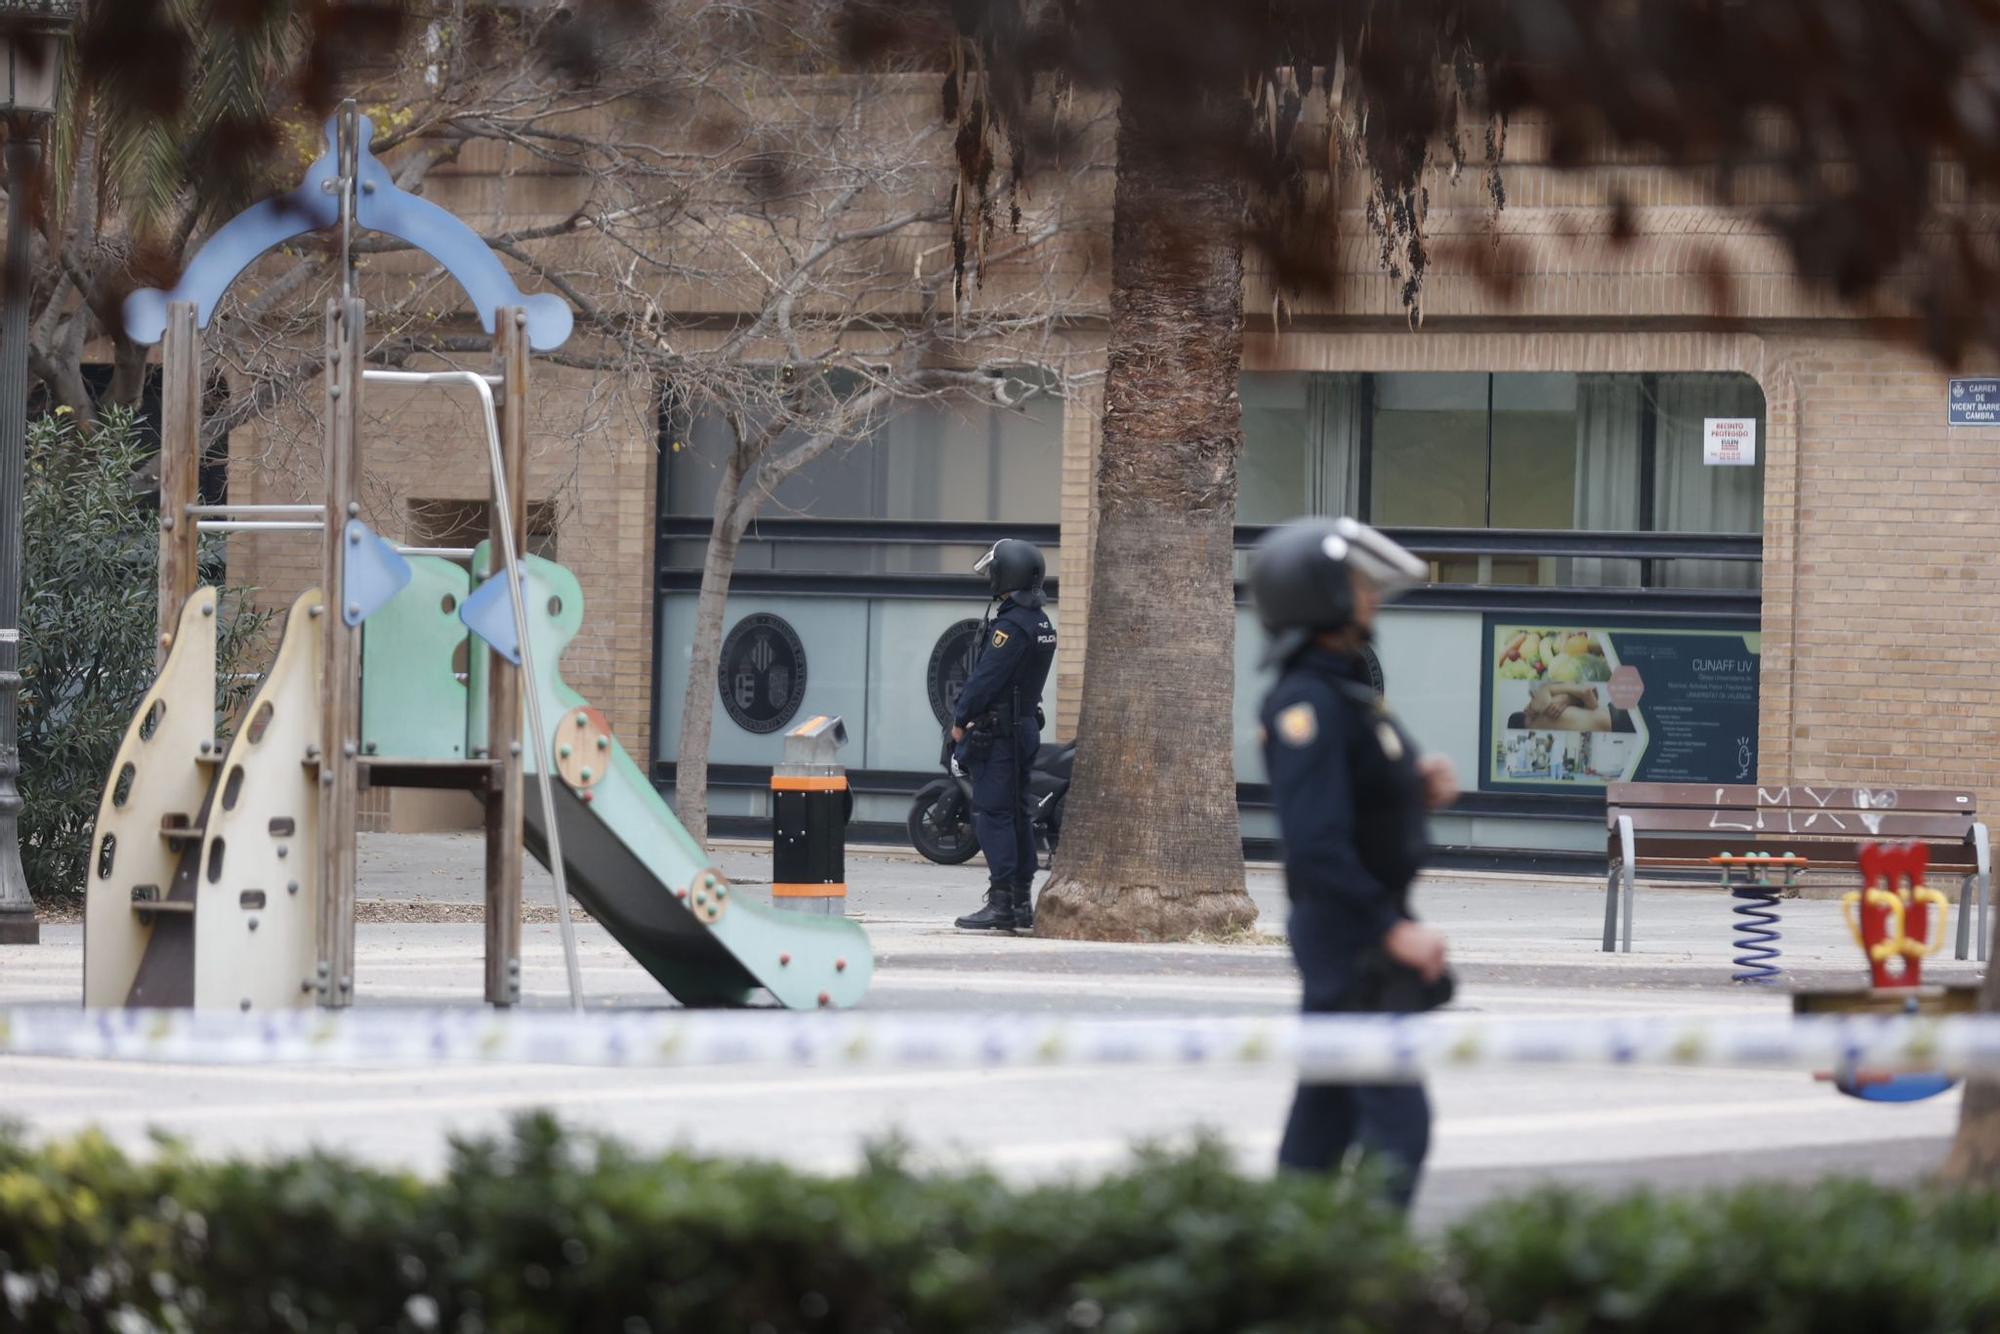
(810, 806)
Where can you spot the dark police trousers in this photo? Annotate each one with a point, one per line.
(1391, 1123)
(1000, 805)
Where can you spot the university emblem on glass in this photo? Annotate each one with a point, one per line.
(763, 673)
(1375, 680)
(951, 663)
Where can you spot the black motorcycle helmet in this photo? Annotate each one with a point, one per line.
(1301, 578)
(1012, 566)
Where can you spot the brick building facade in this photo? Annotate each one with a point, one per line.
(1854, 577)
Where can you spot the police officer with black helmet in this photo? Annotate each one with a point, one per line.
(997, 728)
(1351, 792)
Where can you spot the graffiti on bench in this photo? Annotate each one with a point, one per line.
(1862, 805)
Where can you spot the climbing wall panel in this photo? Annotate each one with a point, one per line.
(258, 882)
(414, 655)
(152, 800)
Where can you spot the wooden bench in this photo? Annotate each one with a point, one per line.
(1679, 826)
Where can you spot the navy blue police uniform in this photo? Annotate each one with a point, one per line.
(1351, 813)
(1000, 708)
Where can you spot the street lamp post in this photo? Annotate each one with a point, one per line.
(31, 35)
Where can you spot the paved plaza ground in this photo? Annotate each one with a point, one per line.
(1522, 946)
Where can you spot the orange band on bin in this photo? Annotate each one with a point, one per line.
(781, 783)
(837, 891)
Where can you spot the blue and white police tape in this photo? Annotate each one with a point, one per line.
(1330, 1048)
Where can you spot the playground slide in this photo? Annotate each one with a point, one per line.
(207, 862)
(173, 920)
(636, 870)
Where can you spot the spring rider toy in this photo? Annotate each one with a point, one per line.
(1891, 920)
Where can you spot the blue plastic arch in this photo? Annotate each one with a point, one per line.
(379, 206)
(1898, 1088)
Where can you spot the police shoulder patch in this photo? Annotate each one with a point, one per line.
(999, 638)
(1298, 725)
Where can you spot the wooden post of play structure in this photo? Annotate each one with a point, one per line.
(180, 471)
(340, 682)
(505, 807)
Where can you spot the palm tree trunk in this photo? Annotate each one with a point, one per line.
(128, 373)
(62, 376)
(705, 655)
(1151, 848)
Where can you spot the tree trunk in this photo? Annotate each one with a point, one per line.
(732, 515)
(128, 373)
(1975, 1151)
(1151, 848)
(60, 373)
(68, 390)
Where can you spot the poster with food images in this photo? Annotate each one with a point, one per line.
(1575, 707)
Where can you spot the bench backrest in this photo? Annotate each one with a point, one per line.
(1793, 796)
(1690, 821)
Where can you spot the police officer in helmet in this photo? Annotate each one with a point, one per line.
(1351, 792)
(997, 727)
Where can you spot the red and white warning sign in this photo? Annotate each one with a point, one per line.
(1729, 442)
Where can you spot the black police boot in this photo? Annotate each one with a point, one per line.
(1023, 897)
(997, 915)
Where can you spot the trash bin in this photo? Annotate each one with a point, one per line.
(810, 806)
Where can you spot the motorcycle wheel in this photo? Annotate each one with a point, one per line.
(948, 844)
(1048, 833)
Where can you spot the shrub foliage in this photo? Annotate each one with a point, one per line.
(543, 1231)
(89, 599)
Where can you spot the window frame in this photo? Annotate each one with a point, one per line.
(1507, 540)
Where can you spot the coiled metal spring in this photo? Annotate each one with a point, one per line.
(1756, 933)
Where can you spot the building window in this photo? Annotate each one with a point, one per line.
(1536, 453)
(460, 524)
(934, 461)
(1429, 462)
(867, 554)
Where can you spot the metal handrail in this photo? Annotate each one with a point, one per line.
(288, 526)
(224, 511)
(923, 532)
(1544, 543)
(259, 526)
(1547, 543)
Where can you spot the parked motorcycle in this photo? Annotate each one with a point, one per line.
(941, 812)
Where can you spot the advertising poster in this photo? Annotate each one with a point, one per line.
(1571, 708)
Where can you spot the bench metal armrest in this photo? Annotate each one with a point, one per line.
(1621, 866)
(1977, 887)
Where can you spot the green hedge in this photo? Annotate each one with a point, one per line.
(90, 549)
(1837, 1257)
(543, 1231)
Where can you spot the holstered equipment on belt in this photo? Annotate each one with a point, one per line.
(984, 729)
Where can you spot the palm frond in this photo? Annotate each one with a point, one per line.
(229, 123)
(207, 161)
(67, 134)
(147, 171)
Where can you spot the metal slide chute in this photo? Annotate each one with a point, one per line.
(639, 873)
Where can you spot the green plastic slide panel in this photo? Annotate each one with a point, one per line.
(413, 706)
(640, 874)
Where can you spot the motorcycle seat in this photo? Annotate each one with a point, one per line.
(1055, 759)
